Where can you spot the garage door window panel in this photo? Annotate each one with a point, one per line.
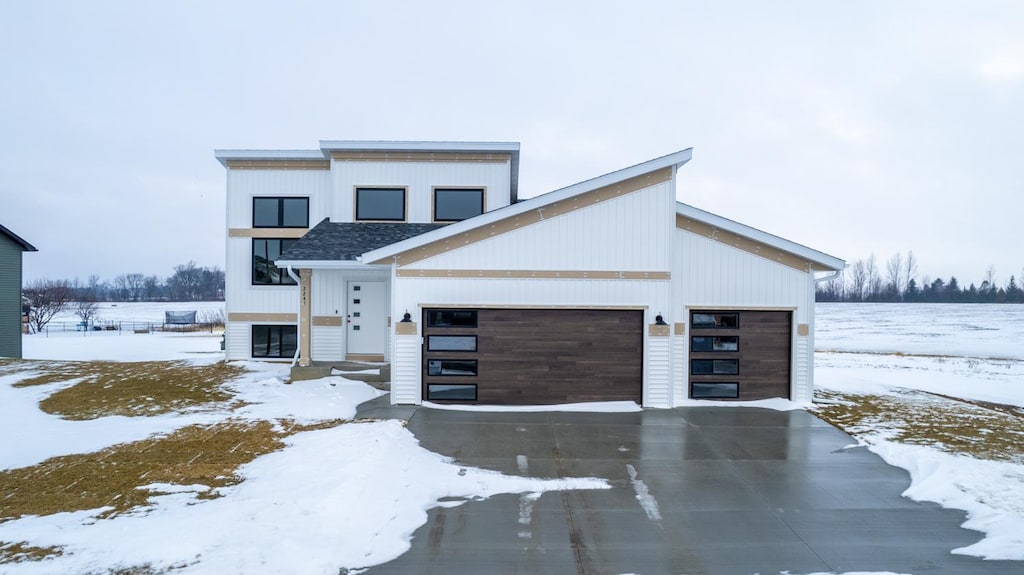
(464, 343)
(715, 390)
(451, 392)
(452, 367)
(705, 343)
(715, 366)
(704, 320)
(454, 318)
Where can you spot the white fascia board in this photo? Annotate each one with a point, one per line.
(326, 265)
(224, 155)
(677, 159)
(755, 234)
(398, 146)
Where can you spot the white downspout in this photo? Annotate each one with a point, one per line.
(298, 339)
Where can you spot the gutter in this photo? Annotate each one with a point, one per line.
(824, 278)
(298, 339)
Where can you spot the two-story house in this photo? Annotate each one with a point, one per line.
(421, 254)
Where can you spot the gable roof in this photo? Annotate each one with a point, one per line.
(818, 260)
(25, 246)
(674, 160)
(344, 241)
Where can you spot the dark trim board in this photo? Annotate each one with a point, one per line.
(764, 353)
(543, 356)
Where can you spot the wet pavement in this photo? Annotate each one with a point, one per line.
(695, 490)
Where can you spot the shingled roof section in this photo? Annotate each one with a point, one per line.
(331, 241)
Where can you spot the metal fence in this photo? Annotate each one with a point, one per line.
(126, 327)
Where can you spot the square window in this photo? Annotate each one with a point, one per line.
(278, 341)
(264, 253)
(380, 204)
(280, 212)
(455, 204)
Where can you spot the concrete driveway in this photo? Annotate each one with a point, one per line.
(696, 490)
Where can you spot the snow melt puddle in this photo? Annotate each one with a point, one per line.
(345, 497)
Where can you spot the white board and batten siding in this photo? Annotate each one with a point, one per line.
(244, 185)
(711, 274)
(628, 233)
(419, 178)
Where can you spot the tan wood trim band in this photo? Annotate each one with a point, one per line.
(729, 308)
(306, 315)
(267, 233)
(264, 317)
(327, 321)
(405, 328)
(803, 329)
(279, 164)
(746, 244)
(531, 217)
(655, 330)
(680, 328)
(535, 274)
(478, 157)
(377, 357)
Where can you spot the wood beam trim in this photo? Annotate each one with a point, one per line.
(279, 164)
(746, 244)
(263, 317)
(536, 274)
(267, 233)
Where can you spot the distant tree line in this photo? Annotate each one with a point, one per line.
(189, 282)
(864, 280)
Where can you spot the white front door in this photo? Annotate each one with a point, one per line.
(366, 309)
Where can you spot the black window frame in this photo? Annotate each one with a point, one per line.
(431, 311)
(714, 361)
(475, 363)
(271, 328)
(280, 211)
(461, 385)
(405, 203)
(694, 325)
(285, 279)
(694, 349)
(481, 191)
(735, 385)
(431, 337)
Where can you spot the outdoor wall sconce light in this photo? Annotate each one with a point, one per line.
(406, 318)
(658, 320)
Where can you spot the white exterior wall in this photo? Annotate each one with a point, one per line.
(239, 293)
(419, 178)
(629, 233)
(711, 274)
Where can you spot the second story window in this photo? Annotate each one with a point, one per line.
(380, 204)
(455, 204)
(264, 253)
(280, 212)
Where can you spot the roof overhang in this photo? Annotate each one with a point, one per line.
(25, 246)
(327, 265)
(817, 261)
(672, 160)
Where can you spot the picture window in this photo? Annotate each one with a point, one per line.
(456, 204)
(264, 253)
(280, 212)
(274, 340)
(380, 204)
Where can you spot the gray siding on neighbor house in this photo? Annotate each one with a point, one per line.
(10, 297)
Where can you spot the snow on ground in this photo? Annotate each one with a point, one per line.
(349, 496)
(122, 346)
(973, 352)
(141, 312)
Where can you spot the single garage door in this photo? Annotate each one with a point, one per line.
(740, 354)
(532, 356)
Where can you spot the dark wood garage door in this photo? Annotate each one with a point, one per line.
(531, 356)
(740, 354)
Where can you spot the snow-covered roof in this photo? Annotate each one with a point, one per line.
(716, 221)
(675, 159)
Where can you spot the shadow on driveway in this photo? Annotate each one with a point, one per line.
(695, 490)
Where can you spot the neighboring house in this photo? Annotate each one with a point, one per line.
(11, 248)
(420, 254)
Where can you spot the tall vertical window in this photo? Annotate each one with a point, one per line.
(274, 340)
(380, 204)
(264, 252)
(280, 212)
(456, 204)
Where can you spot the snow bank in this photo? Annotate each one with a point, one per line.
(350, 496)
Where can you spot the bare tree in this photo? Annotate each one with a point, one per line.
(910, 267)
(897, 282)
(874, 279)
(87, 311)
(136, 284)
(47, 298)
(858, 281)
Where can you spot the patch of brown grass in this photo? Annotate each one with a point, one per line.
(207, 455)
(920, 418)
(130, 389)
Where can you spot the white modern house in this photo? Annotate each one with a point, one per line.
(421, 254)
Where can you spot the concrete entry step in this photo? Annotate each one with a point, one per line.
(380, 380)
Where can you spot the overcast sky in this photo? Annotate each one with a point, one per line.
(851, 127)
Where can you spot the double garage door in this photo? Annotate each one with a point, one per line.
(551, 356)
(532, 356)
